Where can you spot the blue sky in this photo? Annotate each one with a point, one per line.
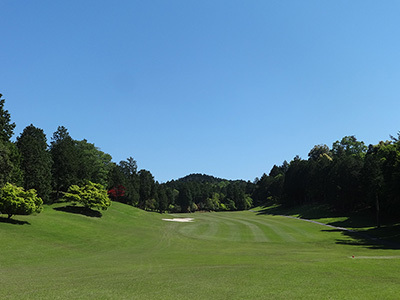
(226, 88)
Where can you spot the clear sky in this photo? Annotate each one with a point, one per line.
(227, 88)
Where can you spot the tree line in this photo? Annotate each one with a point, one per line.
(67, 169)
(347, 177)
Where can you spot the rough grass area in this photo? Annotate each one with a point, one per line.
(131, 254)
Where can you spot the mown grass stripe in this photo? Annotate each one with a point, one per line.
(294, 227)
(293, 232)
(257, 235)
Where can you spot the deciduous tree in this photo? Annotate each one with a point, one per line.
(93, 164)
(90, 195)
(15, 201)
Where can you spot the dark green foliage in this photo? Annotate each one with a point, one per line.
(349, 177)
(162, 198)
(15, 175)
(36, 161)
(205, 192)
(185, 199)
(348, 146)
(373, 181)
(65, 161)
(146, 190)
(9, 156)
(140, 188)
(201, 178)
(296, 183)
(281, 170)
(318, 151)
(93, 164)
(6, 165)
(125, 174)
(127, 171)
(6, 127)
(269, 188)
(75, 162)
(388, 178)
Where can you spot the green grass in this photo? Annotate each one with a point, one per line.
(132, 254)
(363, 222)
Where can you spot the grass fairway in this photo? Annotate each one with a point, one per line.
(132, 254)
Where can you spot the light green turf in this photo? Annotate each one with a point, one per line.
(132, 254)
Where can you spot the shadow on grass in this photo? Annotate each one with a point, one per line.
(81, 210)
(360, 219)
(13, 221)
(365, 239)
(305, 212)
(365, 234)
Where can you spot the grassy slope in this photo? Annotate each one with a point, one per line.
(363, 222)
(131, 254)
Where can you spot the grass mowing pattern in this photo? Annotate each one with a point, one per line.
(132, 254)
(221, 226)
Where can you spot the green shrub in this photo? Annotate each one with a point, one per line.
(91, 195)
(15, 201)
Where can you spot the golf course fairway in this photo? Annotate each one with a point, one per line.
(132, 254)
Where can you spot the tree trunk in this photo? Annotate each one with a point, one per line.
(378, 223)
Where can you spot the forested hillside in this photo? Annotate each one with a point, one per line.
(205, 192)
(348, 177)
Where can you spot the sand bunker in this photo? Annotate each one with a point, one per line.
(179, 220)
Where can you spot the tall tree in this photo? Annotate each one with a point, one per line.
(146, 188)
(373, 178)
(349, 145)
(125, 174)
(295, 186)
(185, 198)
(6, 126)
(345, 181)
(6, 165)
(36, 161)
(65, 161)
(162, 198)
(10, 157)
(318, 151)
(93, 164)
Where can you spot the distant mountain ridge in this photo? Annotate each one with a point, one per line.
(204, 178)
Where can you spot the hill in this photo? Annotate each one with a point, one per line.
(204, 178)
(200, 178)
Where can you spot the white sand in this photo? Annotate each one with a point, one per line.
(179, 220)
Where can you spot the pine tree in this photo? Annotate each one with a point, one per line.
(35, 161)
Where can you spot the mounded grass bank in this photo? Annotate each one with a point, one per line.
(131, 254)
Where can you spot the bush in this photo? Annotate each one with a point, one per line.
(15, 201)
(91, 195)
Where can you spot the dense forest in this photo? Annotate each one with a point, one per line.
(347, 177)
